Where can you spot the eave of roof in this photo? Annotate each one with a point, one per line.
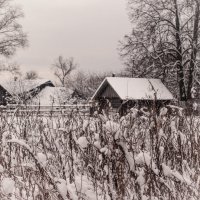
(20, 86)
(126, 92)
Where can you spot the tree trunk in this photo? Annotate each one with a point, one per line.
(180, 73)
(194, 51)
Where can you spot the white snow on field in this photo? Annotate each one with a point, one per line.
(111, 126)
(83, 142)
(20, 143)
(7, 185)
(100, 141)
(42, 159)
(62, 187)
(145, 158)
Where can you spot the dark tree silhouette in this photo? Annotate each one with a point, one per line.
(11, 33)
(164, 42)
(63, 67)
(31, 75)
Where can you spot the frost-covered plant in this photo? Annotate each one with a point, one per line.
(141, 156)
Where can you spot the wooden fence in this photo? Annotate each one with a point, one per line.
(83, 109)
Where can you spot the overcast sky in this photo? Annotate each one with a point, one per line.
(88, 30)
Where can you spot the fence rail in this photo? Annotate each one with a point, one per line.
(45, 109)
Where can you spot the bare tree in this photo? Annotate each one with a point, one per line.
(31, 75)
(11, 33)
(63, 67)
(164, 42)
(86, 83)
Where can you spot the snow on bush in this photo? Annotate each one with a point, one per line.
(7, 186)
(140, 156)
(82, 141)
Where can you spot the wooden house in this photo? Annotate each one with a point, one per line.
(4, 96)
(123, 93)
(15, 91)
(55, 96)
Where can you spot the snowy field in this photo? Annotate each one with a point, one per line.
(141, 156)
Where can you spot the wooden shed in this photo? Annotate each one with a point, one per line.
(123, 91)
(12, 91)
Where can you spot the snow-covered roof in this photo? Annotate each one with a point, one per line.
(51, 96)
(135, 88)
(20, 86)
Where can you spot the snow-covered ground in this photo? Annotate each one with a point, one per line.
(140, 156)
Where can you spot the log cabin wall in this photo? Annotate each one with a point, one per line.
(109, 93)
(3, 96)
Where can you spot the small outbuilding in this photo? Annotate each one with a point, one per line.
(49, 96)
(123, 92)
(13, 91)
